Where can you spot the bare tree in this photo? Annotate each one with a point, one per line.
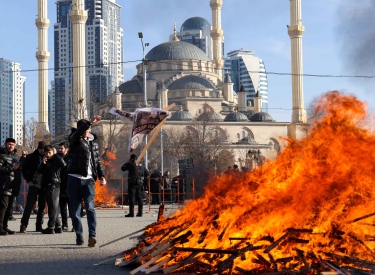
(32, 134)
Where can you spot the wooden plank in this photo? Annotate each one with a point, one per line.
(131, 234)
(139, 268)
(158, 265)
(154, 134)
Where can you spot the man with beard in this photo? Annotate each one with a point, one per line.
(10, 178)
(29, 172)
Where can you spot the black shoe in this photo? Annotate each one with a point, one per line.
(139, 215)
(10, 232)
(79, 240)
(83, 214)
(92, 241)
(22, 229)
(48, 231)
(65, 229)
(129, 215)
(58, 230)
(73, 230)
(3, 232)
(39, 228)
(11, 218)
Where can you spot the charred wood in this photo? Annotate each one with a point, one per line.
(202, 237)
(295, 240)
(204, 250)
(362, 218)
(276, 243)
(299, 230)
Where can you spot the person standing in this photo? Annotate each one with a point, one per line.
(134, 186)
(84, 167)
(64, 199)
(155, 186)
(10, 178)
(51, 169)
(29, 172)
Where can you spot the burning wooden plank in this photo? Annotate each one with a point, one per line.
(206, 250)
(158, 265)
(202, 236)
(276, 243)
(296, 240)
(180, 264)
(299, 230)
(362, 218)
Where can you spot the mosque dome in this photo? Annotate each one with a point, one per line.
(194, 23)
(209, 115)
(131, 87)
(181, 116)
(236, 117)
(261, 117)
(191, 82)
(176, 50)
(249, 113)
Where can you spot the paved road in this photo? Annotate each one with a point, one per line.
(36, 253)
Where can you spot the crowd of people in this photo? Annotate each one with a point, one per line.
(62, 180)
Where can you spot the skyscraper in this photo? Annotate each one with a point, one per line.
(248, 70)
(12, 89)
(104, 56)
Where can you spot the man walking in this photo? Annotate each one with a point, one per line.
(64, 199)
(134, 186)
(51, 169)
(84, 167)
(29, 172)
(10, 178)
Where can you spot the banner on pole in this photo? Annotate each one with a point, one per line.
(144, 121)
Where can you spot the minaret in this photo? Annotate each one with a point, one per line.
(78, 17)
(217, 36)
(42, 55)
(295, 31)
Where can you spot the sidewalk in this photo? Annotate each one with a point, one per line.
(36, 253)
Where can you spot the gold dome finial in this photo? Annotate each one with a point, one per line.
(175, 38)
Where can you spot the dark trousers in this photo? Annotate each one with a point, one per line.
(10, 206)
(32, 196)
(135, 193)
(64, 202)
(4, 212)
(79, 189)
(53, 196)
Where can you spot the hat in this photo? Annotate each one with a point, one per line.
(41, 144)
(133, 156)
(10, 140)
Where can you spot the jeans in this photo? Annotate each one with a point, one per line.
(135, 194)
(4, 212)
(64, 202)
(53, 195)
(32, 196)
(79, 189)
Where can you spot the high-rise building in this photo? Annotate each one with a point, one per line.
(12, 91)
(248, 70)
(104, 56)
(197, 31)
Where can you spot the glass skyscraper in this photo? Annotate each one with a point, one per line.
(248, 70)
(104, 56)
(12, 108)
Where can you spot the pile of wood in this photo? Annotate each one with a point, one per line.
(168, 251)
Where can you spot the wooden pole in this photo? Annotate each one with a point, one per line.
(154, 134)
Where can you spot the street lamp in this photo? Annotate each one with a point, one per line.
(144, 64)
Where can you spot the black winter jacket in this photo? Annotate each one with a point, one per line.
(30, 165)
(79, 154)
(64, 177)
(51, 171)
(10, 180)
(133, 175)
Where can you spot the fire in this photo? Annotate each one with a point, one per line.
(104, 196)
(299, 212)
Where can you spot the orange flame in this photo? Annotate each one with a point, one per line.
(322, 182)
(104, 196)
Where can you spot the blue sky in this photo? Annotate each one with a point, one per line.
(258, 25)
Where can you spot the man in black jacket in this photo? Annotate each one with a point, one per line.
(134, 186)
(64, 199)
(29, 172)
(51, 169)
(84, 167)
(10, 178)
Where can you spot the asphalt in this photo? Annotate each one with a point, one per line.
(36, 253)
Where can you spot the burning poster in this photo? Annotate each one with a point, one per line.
(144, 121)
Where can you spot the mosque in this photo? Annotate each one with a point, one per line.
(180, 72)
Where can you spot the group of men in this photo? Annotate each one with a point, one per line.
(61, 179)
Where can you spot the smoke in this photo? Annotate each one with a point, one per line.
(356, 35)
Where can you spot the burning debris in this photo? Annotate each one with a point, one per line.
(304, 213)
